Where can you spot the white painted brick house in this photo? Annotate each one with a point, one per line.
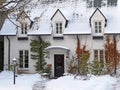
(60, 27)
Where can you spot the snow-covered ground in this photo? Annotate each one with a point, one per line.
(26, 82)
(23, 81)
(105, 82)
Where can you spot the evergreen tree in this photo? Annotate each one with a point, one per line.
(37, 49)
(97, 67)
(83, 65)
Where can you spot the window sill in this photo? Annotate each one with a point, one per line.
(58, 37)
(98, 37)
(22, 38)
(23, 70)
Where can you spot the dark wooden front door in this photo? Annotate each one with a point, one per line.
(58, 65)
(1, 56)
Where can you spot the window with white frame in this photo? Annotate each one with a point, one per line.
(24, 28)
(23, 59)
(99, 55)
(59, 28)
(98, 27)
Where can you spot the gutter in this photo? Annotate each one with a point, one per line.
(8, 52)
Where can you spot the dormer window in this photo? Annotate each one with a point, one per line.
(58, 28)
(23, 28)
(98, 22)
(98, 27)
(23, 31)
(59, 22)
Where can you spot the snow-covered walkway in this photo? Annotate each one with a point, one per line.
(40, 85)
(118, 85)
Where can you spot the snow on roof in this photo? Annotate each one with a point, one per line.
(41, 28)
(78, 27)
(77, 15)
(113, 19)
(56, 47)
(8, 28)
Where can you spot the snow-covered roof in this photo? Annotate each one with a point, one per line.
(78, 16)
(56, 47)
(77, 28)
(8, 28)
(76, 13)
(113, 19)
(41, 28)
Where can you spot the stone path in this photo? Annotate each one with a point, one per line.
(40, 85)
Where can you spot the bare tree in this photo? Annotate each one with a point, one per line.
(10, 9)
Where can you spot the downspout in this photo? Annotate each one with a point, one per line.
(8, 52)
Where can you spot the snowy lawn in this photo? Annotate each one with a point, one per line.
(26, 82)
(23, 81)
(94, 83)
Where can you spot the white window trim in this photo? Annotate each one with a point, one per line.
(55, 32)
(99, 54)
(24, 30)
(98, 33)
(24, 68)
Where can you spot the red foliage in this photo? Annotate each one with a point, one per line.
(78, 48)
(112, 56)
(81, 50)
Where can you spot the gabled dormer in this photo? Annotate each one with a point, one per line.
(98, 24)
(24, 24)
(59, 22)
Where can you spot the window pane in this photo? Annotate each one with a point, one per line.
(101, 56)
(60, 24)
(25, 28)
(58, 28)
(99, 23)
(96, 54)
(26, 65)
(21, 59)
(98, 27)
(26, 59)
(56, 24)
(95, 23)
(22, 28)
